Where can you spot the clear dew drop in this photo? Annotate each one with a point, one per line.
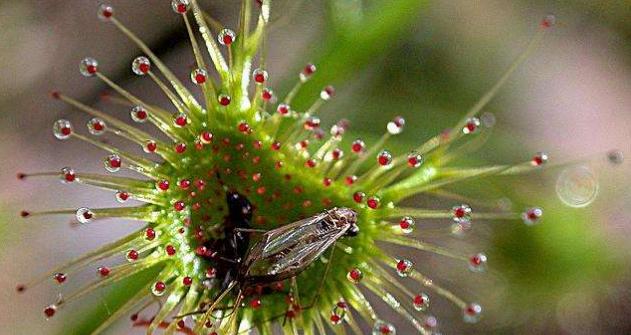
(404, 267)
(462, 213)
(141, 65)
(226, 37)
(396, 126)
(307, 72)
(68, 175)
(84, 215)
(139, 114)
(421, 302)
(327, 93)
(355, 276)
(415, 159)
(471, 126)
(122, 196)
(532, 216)
(615, 157)
(62, 129)
(96, 126)
(88, 67)
(577, 186)
(383, 328)
(199, 76)
(407, 225)
(384, 158)
(105, 12)
(112, 163)
(478, 262)
(259, 76)
(472, 312)
(180, 6)
(158, 289)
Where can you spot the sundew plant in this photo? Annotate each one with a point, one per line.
(229, 133)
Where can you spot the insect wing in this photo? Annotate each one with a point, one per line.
(290, 249)
(287, 236)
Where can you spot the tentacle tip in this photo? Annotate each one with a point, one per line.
(20, 288)
(548, 21)
(55, 94)
(21, 176)
(25, 214)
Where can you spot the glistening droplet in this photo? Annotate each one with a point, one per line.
(577, 186)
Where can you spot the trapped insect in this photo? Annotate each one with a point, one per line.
(281, 253)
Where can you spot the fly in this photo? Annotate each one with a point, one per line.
(281, 253)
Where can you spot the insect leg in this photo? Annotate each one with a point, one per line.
(214, 305)
(326, 273)
(232, 321)
(250, 230)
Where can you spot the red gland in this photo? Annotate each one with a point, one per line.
(163, 185)
(150, 234)
(403, 266)
(355, 275)
(304, 144)
(132, 255)
(327, 181)
(384, 158)
(206, 137)
(255, 303)
(184, 184)
(24, 214)
(151, 146)
(187, 281)
(180, 148)
(548, 21)
(103, 271)
(224, 100)
(373, 202)
(160, 286)
(539, 159)
(60, 278)
(267, 94)
(276, 146)
(350, 180)
(259, 76)
(358, 146)
(310, 163)
(181, 120)
(307, 72)
(358, 197)
(69, 175)
(335, 319)
(244, 127)
(179, 205)
(50, 311)
(337, 153)
(170, 250)
(283, 109)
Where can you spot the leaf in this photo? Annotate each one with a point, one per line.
(115, 297)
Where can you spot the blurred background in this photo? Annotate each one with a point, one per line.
(425, 60)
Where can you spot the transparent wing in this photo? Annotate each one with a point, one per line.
(293, 247)
(307, 229)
